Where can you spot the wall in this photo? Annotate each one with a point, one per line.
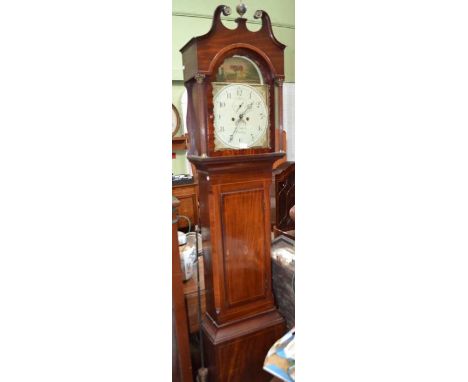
(193, 18)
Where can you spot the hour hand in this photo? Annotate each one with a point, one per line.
(239, 107)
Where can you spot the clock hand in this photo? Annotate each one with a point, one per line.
(249, 106)
(231, 137)
(241, 116)
(240, 119)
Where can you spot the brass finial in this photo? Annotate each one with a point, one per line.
(241, 9)
(226, 10)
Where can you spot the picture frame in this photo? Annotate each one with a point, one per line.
(175, 120)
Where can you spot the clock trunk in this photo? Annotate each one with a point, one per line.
(241, 321)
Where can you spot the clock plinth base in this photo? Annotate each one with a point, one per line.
(235, 352)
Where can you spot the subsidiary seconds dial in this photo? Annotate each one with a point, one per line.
(240, 117)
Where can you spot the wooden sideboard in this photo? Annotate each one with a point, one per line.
(188, 197)
(187, 194)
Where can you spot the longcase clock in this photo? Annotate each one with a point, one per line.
(234, 82)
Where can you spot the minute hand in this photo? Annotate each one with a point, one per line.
(249, 106)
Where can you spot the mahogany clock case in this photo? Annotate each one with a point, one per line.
(241, 321)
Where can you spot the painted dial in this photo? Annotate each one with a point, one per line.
(240, 116)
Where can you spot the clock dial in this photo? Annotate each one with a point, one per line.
(241, 117)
